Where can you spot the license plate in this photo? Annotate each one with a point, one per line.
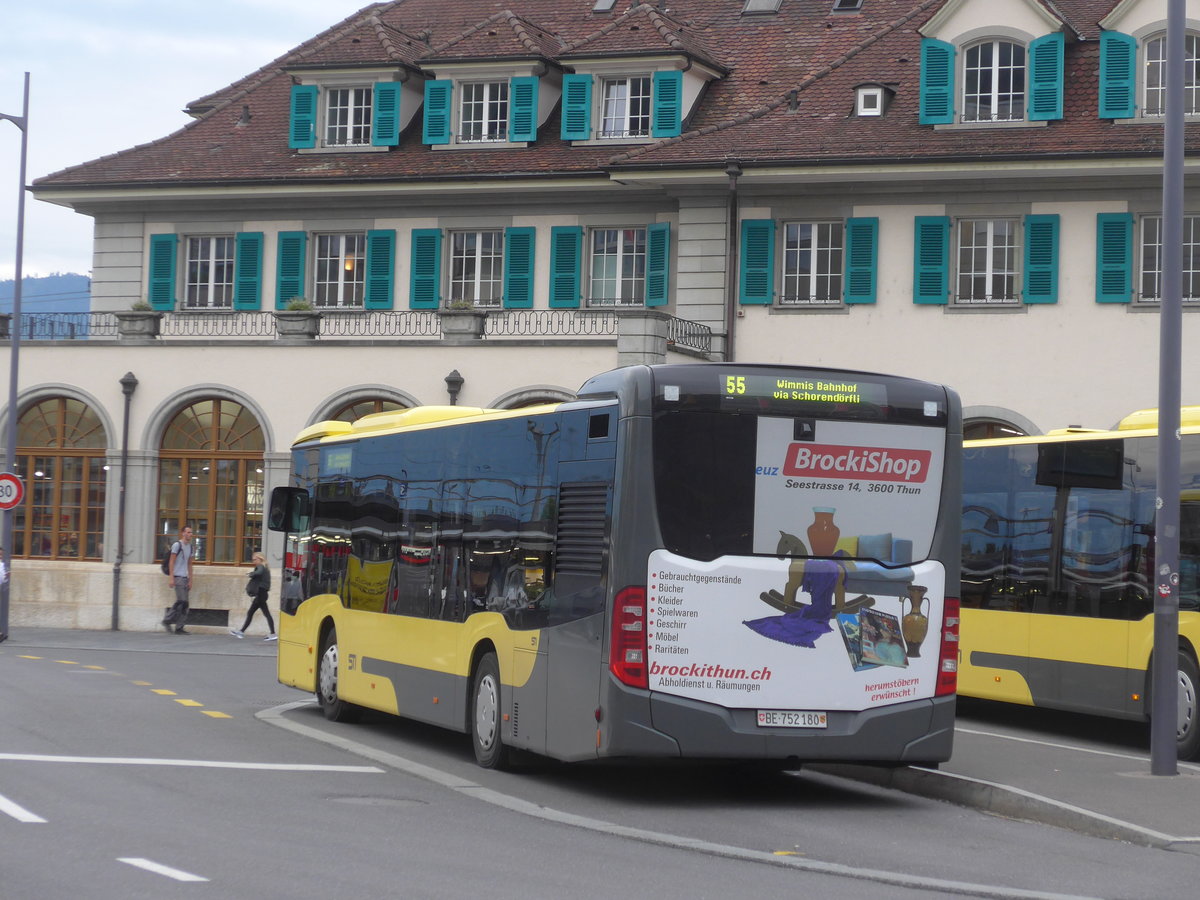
(791, 718)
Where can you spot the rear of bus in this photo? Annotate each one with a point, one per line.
(782, 544)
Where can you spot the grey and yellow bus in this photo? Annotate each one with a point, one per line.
(1057, 562)
(710, 561)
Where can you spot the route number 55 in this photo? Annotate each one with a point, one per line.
(735, 384)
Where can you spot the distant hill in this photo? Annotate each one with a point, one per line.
(60, 292)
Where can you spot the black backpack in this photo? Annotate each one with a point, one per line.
(166, 561)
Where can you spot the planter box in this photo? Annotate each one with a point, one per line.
(138, 324)
(302, 324)
(462, 324)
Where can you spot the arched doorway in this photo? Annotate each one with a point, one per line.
(211, 477)
(61, 447)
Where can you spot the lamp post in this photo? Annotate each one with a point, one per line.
(10, 459)
(454, 383)
(128, 385)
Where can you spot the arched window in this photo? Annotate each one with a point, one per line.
(352, 412)
(60, 457)
(994, 82)
(211, 477)
(1156, 75)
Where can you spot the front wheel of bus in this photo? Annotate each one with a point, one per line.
(1187, 735)
(335, 709)
(490, 751)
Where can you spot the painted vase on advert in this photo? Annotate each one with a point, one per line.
(823, 533)
(915, 625)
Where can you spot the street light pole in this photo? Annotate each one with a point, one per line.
(1164, 674)
(129, 384)
(10, 459)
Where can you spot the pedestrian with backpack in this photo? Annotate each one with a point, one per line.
(179, 576)
(258, 587)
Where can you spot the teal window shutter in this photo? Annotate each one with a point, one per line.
(1114, 258)
(862, 259)
(161, 281)
(757, 278)
(566, 257)
(937, 82)
(523, 109)
(436, 129)
(1041, 259)
(381, 267)
(931, 263)
(425, 291)
(247, 267)
(289, 267)
(576, 107)
(302, 130)
(667, 116)
(658, 263)
(1118, 75)
(385, 114)
(1046, 78)
(518, 267)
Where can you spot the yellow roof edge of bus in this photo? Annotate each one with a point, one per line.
(1074, 429)
(417, 415)
(327, 428)
(1148, 418)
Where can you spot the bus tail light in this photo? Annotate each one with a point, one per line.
(627, 650)
(947, 679)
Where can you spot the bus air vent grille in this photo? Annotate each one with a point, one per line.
(582, 528)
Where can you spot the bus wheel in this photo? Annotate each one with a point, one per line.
(1187, 734)
(335, 709)
(490, 751)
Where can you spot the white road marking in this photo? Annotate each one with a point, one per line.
(20, 813)
(1056, 746)
(183, 763)
(160, 869)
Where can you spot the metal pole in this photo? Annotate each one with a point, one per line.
(1164, 684)
(10, 459)
(128, 384)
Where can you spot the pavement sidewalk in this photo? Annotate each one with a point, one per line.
(1092, 791)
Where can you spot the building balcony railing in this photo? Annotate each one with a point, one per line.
(417, 325)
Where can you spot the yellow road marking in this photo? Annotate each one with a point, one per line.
(216, 715)
(27, 656)
(142, 683)
(67, 662)
(189, 702)
(97, 668)
(164, 692)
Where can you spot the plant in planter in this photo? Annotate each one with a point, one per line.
(462, 319)
(298, 319)
(141, 320)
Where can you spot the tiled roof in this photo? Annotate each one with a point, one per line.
(502, 36)
(786, 95)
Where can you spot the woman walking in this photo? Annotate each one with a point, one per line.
(258, 587)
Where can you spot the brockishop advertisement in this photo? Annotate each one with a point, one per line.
(755, 632)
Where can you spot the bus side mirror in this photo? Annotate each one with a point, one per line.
(289, 510)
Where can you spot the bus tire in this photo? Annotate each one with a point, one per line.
(490, 751)
(334, 708)
(1187, 735)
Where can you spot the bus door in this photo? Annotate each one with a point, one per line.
(1079, 637)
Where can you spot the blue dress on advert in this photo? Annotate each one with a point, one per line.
(803, 626)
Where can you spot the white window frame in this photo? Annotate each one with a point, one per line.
(617, 102)
(492, 106)
(869, 101)
(477, 268)
(339, 270)
(1153, 74)
(1149, 254)
(813, 263)
(994, 259)
(209, 268)
(346, 124)
(992, 98)
(617, 277)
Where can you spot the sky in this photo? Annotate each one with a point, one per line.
(106, 75)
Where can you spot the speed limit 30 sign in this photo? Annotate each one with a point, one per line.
(12, 491)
